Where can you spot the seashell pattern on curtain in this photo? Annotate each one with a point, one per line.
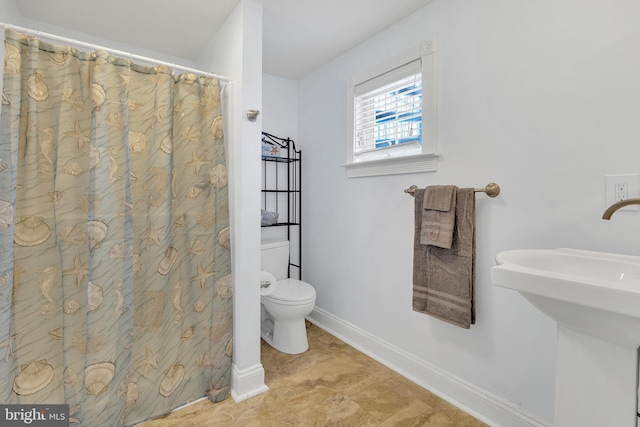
(115, 274)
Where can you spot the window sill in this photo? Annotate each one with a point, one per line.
(393, 166)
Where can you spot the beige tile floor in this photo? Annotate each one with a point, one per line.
(331, 384)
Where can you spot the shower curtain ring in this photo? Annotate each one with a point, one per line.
(252, 115)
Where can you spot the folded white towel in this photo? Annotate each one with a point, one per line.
(268, 218)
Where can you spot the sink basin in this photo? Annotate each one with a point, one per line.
(587, 266)
(595, 298)
(593, 292)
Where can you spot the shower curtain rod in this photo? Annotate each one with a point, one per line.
(129, 55)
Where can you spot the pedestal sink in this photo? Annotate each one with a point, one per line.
(595, 298)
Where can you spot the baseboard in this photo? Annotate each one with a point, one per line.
(247, 383)
(480, 403)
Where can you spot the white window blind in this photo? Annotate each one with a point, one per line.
(392, 117)
(388, 113)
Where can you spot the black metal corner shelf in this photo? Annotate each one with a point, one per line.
(281, 192)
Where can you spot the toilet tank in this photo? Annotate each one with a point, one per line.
(274, 258)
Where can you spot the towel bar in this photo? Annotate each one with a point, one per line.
(492, 189)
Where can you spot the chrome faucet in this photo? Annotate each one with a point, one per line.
(614, 207)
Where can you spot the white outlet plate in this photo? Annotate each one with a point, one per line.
(633, 188)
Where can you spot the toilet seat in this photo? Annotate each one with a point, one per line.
(292, 292)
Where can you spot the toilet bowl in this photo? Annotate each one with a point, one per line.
(283, 311)
(283, 316)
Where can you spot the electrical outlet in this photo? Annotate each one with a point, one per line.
(622, 191)
(622, 187)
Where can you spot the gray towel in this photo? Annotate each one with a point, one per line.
(444, 279)
(439, 216)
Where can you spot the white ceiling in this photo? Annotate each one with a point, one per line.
(298, 35)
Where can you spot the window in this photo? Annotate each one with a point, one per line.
(388, 114)
(392, 116)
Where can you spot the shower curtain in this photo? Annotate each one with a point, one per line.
(115, 273)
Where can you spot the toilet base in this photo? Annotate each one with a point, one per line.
(288, 336)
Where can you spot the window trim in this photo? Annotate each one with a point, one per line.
(427, 160)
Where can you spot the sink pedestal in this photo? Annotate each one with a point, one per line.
(595, 298)
(596, 382)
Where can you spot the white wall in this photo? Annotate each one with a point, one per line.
(9, 13)
(236, 51)
(99, 41)
(280, 106)
(279, 118)
(540, 97)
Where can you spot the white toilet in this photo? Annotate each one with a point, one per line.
(283, 311)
